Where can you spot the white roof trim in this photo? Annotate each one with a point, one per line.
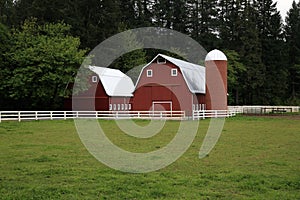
(194, 75)
(115, 82)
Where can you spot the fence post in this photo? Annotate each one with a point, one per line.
(203, 114)
(65, 115)
(0, 116)
(36, 115)
(51, 117)
(19, 116)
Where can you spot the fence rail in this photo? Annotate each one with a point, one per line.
(263, 109)
(53, 115)
(202, 114)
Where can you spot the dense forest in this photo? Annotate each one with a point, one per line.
(43, 43)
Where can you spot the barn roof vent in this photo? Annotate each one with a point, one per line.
(215, 55)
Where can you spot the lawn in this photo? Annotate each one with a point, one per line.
(255, 158)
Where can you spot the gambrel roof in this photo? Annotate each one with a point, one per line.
(115, 82)
(193, 74)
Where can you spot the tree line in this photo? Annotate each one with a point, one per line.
(43, 43)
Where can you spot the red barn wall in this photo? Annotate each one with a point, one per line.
(163, 87)
(95, 98)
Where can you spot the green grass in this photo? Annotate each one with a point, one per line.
(255, 158)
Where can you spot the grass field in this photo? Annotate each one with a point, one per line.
(255, 158)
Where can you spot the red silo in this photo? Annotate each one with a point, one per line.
(216, 80)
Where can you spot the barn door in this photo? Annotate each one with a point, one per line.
(162, 105)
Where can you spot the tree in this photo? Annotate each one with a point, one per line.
(43, 59)
(131, 59)
(292, 30)
(203, 22)
(251, 53)
(7, 12)
(230, 23)
(273, 52)
(235, 69)
(5, 43)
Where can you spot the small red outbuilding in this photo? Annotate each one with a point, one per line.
(109, 89)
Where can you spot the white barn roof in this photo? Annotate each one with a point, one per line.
(115, 82)
(215, 55)
(194, 75)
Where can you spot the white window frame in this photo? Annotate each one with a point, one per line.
(115, 107)
(122, 106)
(94, 79)
(119, 107)
(129, 106)
(174, 72)
(126, 106)
(110, 106)
(151, 72)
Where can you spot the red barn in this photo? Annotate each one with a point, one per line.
(109, 89)
(168, 83)
(165, 83)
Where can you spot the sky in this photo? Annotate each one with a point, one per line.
(284, 6)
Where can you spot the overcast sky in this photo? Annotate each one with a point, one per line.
(284, 6)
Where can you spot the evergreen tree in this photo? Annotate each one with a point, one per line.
(292, 30)
(7, 12)
(229, 23)
(273, 52)
(203, 22)
(251, 53)
(171, 14)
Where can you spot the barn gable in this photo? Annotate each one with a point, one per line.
(115, 83)
(194, 75)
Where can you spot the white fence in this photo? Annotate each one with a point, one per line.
(202, 114)
(263, 109)
(53, 115)
(176, 115)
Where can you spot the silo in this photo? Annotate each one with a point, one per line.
(216, 80)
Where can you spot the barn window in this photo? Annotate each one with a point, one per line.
(94, 79)
(173, 72)
(115, 107)
(126, 106)
(110, 106)
(122, 106)
(161, 61)
(129, 106)
(118, 106)
(149, 73)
